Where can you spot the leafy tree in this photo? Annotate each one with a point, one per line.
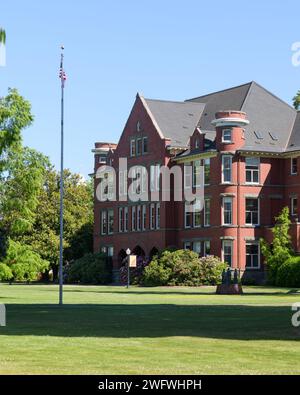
(78, 219)
(2, 36)
(296, 100)
(21, 183)
(280, 250)
(22, 263)
(15, 115)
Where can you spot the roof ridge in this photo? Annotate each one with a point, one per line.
(272, 94)
(247, 94)
(222, 90)
(171, 101)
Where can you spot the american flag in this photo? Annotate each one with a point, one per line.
(62, 75)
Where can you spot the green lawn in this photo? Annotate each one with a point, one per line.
(112, 330)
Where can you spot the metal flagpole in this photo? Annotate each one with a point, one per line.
(61, 280)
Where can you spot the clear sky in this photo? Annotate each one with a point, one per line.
(165, 49)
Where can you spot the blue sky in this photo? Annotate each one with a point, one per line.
(114, 48)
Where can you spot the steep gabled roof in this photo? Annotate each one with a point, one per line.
(294, 141)
(176, 120)
(270, 116)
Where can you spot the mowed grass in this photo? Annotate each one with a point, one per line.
(112, 330)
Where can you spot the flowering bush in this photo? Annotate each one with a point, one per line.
(183, 267)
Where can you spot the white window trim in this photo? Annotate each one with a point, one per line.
(252, 170)
(195, 184)
(293, 206)
(138, 218)
(185, 216)
(227, 141)
(223, 160)
(185, 244)
(104, 215)
(110, 211)
(187, 175)
(157, 216)
(223, 211)
(132, 144)
(259, 255)
(294, 173)
(206, 225)
(258, 212)
(204, 247)
(125, 219)
(121, 222)
(195, 212)
(144, 216)
(199, 244)
(133, 218)
(152, 217)
(223, 250)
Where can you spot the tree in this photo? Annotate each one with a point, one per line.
(2, 36)
(21, 263)
(280, 250)
(296, 100)
(78, 219)
(21, 182)
(15, 115)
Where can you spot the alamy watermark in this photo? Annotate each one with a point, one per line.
(138, 183)
(296, 315)
(2, 315)
(296, 54)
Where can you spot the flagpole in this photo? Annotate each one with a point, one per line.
(61, 237)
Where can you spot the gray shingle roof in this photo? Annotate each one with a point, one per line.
(270, 116)
(176, 120)
(294, 141)
(277, 123)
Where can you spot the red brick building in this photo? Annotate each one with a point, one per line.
(248, 141)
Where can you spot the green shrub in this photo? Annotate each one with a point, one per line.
(288, 274)
(182, 267)
(211, 269)
(90, 269)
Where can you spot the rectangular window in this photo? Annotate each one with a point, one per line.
(197, 247)
(197, 173)
(104, 222)
(187, 245)
(188, 175)
(252, 211)
(110, 215)
(157, 216)
(227, 211)
(132, 148)
(138, 146)
(207, 212)
(139, 217)
(294, 166)
(252, 255)
(121, 222)
(152, 216)
(252, 170)
(294, 206)
(145, 145)
(144, 216)
(226, 168)
(207, 171)
(226, 136)
(188, 210)
(227, 251)
(125, 219)
(206, 249)
(197, 214)
(133, 218)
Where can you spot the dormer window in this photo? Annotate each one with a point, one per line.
(226, 136)
(197, 143)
